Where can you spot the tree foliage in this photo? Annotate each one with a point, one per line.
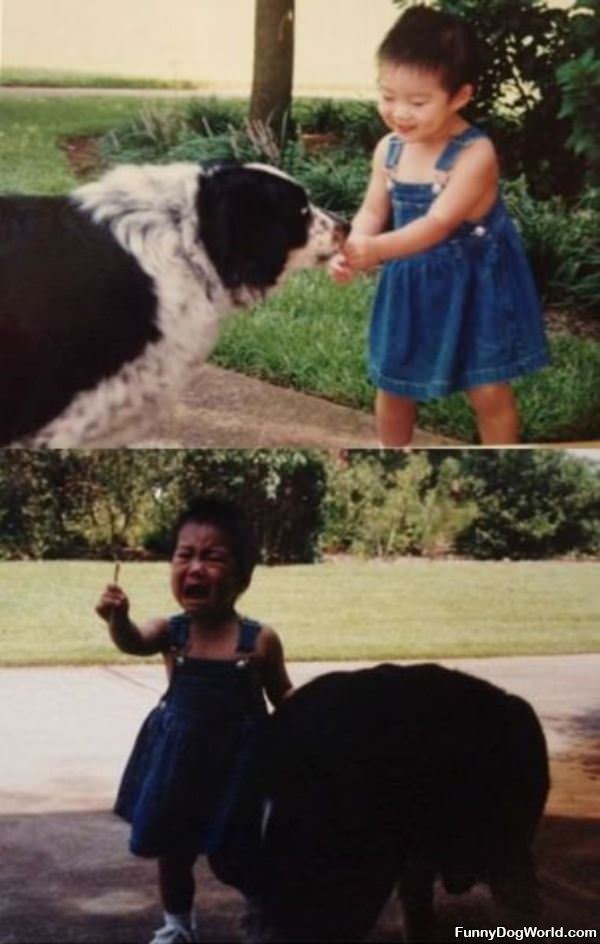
(402, 505)
(531, 504)
(112, 503)
(480, 503)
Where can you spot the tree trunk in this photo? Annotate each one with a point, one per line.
(273, 63)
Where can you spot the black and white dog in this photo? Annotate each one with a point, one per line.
(110, 296)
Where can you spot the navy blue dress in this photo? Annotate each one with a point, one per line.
(180, 783)
(458, 315)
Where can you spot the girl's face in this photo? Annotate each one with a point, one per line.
(204, 573)
(415, 105)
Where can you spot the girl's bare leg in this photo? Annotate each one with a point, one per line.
(497, 415)
(395, 418)
(176, 882)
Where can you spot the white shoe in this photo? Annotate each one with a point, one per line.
(175, 932)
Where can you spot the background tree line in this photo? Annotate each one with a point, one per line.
(489, 505)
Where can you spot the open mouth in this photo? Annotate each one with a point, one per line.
(196, 591)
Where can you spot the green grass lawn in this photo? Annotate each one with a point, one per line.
(341, 609)
(31, 160)
(52, 78)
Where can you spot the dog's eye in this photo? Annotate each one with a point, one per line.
(305, 211)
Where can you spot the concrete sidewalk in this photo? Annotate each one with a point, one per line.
(66, 875)
(225, 409)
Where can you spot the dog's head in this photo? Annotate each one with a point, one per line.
(257, 225)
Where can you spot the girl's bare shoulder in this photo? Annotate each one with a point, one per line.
(479, 152)
(382, 148)
(268, 642)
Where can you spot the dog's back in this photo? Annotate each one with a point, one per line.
(395, 775)
(60, 274)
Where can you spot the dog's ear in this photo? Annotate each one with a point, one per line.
(242, 225)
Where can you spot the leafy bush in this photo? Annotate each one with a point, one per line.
(356, 122)
(215, 115)
(580, 84)
(335, 180)
(407, 507)
(563, 244)
(531, 504)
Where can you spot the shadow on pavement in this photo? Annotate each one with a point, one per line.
(67, 878)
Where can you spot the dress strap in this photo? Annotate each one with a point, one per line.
(455, 145)
(393, 153)
(392, 157)
(249, 630)
(179, 631)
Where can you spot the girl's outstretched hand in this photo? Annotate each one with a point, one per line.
(361, 252)
(113, 603)
(339, 270)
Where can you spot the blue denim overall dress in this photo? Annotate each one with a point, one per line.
(181, 780)
(460, 314)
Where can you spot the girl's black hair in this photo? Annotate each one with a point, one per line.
(435, 41)
(229, 518)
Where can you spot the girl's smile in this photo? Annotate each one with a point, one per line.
(415, 105)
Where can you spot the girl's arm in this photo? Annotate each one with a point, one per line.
(470, 192)
(145, 640)
(374, 211)
(275, 678)
(372, 215)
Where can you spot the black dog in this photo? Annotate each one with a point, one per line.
(390, 778)
(110, 297)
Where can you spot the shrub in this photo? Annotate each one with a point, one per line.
(532, 504)
(407, 506)
(335, 180)
(215, 115)
(356, 122)
(580, 84)
(563, 244)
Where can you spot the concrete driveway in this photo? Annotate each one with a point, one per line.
(66, 874)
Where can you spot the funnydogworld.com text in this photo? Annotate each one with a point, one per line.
(521, 934)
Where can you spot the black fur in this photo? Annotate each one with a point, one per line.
(74, 306)
(249, 223)
(391, 777)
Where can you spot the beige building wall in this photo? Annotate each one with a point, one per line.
(204, 40)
